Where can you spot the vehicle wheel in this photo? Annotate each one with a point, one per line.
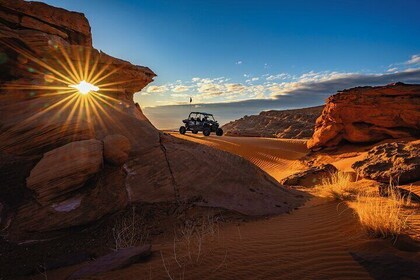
(219, 132)
(182, 130)
(206, 131)
(195, 131)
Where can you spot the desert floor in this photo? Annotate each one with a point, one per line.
(315, 241)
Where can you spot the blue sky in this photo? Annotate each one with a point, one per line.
(248, 56)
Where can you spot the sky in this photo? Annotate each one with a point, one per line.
(237, 58)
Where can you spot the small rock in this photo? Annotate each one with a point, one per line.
(115, 260)
(310, 177)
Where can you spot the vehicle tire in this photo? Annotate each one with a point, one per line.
(219, 132)
(182, 130)
(194, 131)
(206, 131)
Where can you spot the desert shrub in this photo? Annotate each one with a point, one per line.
(380, 216)
(338, 186)
(129, 230)
(193, 240)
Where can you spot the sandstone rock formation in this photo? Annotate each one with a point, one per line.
(67, 159)
(65, 169)
(395, 162)
(298, 123)
(116, 149)
(310, 177)
(369, 114)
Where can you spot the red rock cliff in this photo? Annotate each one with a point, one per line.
(369, 114)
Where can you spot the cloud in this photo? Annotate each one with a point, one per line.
(180, 88)
(234, 88)
(208, 90)
(179, 95)
(327, 83)
(157, 89)
(239, 62)
(415, 59)
(307, 87)
(281, 76)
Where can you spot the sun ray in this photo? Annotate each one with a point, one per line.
(79, 63)
(87, 64)
(67, 69)
(36, 60)
(70, 63)
(101, 78)
(75, 84)
(92, 71)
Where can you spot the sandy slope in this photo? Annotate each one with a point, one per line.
(277, 157)
(313, 242)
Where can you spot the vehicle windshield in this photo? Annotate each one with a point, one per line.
(201, 116)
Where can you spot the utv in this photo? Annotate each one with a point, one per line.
(201, 122)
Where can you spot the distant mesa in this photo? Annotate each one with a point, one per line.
(368, 115)
(289, 124)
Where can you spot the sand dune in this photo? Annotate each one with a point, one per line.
(313, 242)
(277, 157)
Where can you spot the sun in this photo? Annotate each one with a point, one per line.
(84, 87)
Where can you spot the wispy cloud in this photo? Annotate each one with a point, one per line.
(157, 89)
(273, 86)
(415, 59)
(180, 88)
(281, 76)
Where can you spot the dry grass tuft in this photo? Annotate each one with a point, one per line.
(193, 241)
(379, 216)
(130, 230)
(338, 186)
(383, 217)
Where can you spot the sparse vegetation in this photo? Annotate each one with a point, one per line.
(338, 186)
(129, 230)
(193, 240)
(380, 216)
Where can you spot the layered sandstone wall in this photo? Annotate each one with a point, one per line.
(369, 114)
(289, 124)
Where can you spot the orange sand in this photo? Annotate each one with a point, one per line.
(313, 242)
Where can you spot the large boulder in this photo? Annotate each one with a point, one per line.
(397, 162)
(65, 169)
(290, 124)
(192, 172)
(104, 195)
(369, 114)
(310, 177)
